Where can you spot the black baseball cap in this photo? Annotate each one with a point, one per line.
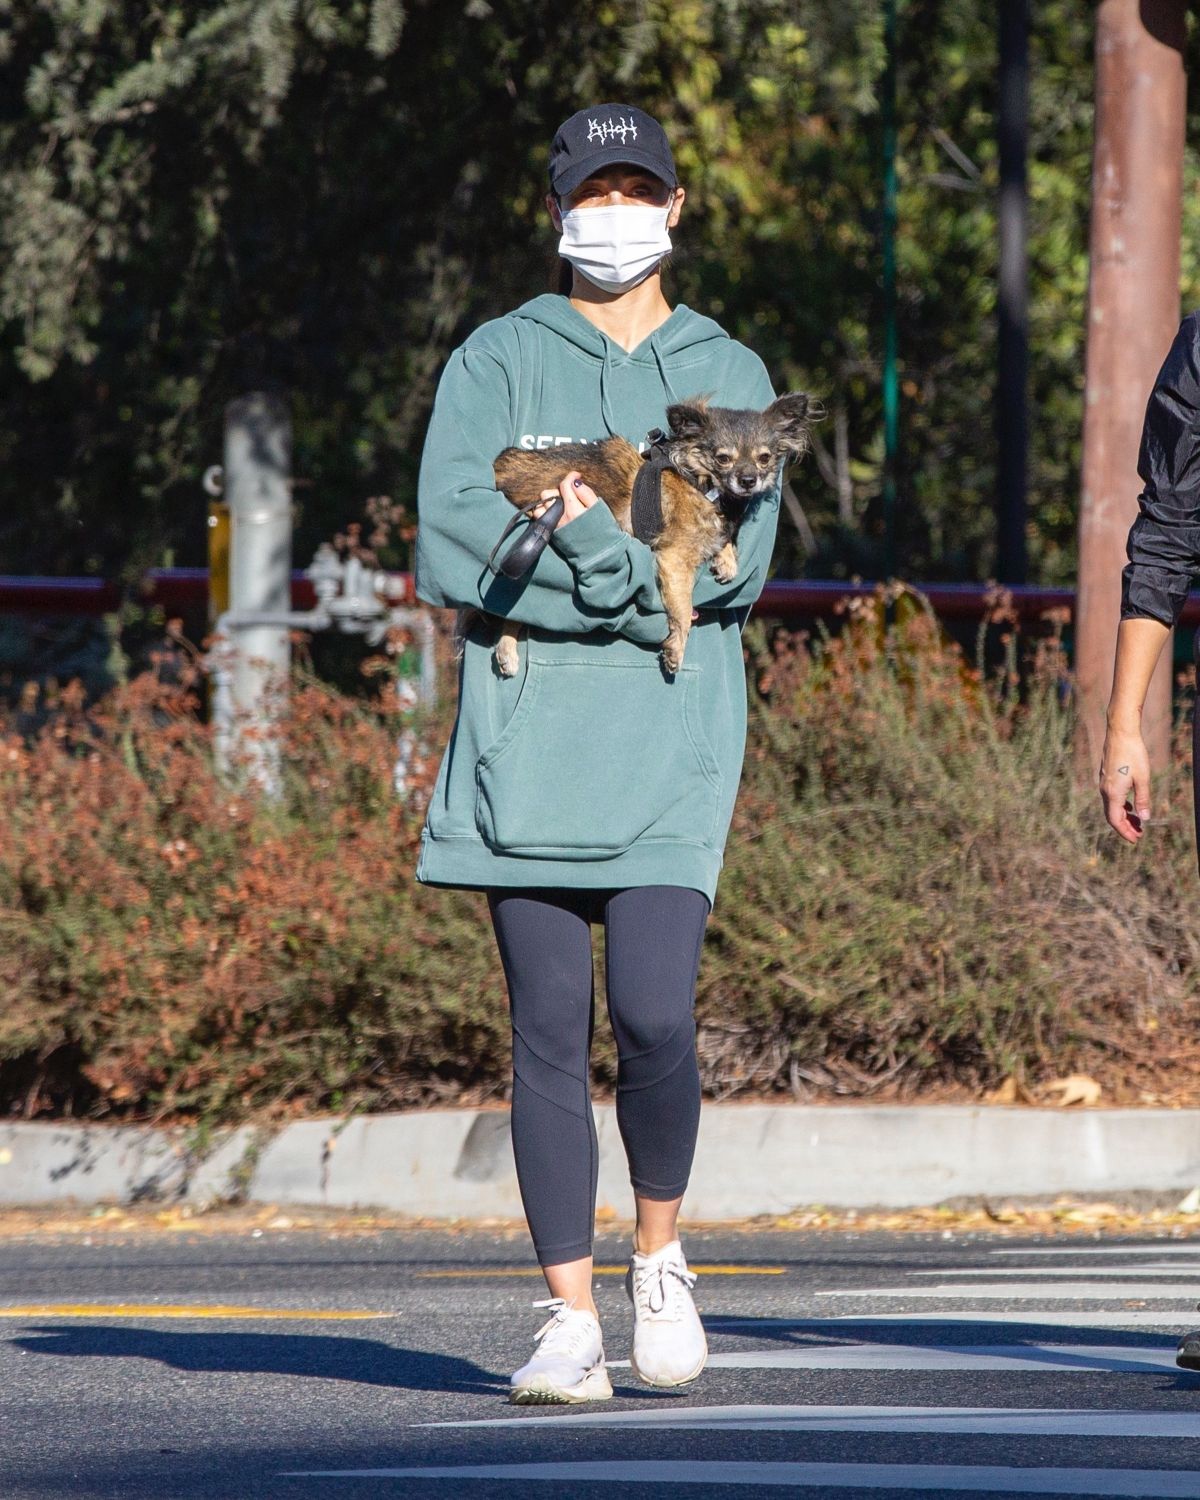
(606, 133)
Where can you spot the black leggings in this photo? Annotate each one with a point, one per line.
(652, 940)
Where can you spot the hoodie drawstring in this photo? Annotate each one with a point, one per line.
(606, 411)
(607, 415)
(672, 398)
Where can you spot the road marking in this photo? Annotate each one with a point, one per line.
(1058, 1359)
(1069, 1291)
(1097, 1484)
(979, 1420)
(1106, 1250)
(182, 1310)
(1037, 1318)
(475, 1271)
(1149, 1269)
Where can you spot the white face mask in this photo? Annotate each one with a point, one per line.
(615, 247)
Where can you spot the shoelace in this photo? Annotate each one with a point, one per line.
(656, 1293)
(556, 1332)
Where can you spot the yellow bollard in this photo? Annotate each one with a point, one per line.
(218, 560)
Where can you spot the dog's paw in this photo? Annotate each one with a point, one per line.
(724, 567)
(672, 654)
(507, 657)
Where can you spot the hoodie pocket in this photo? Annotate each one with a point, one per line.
(597, 757)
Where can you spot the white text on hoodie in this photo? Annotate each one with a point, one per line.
(530, 441)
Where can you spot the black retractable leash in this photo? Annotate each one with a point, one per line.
(526, 550)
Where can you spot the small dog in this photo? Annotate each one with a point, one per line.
(722, 460)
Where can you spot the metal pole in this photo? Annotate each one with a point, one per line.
(1133, 314)
(891, 392)
(1012, 420)
(258, 458)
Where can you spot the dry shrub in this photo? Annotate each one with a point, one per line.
(919, 899)
(921, 895)
(168, 947)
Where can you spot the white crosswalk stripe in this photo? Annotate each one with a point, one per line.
(1064, 1359)
(1041, 1291)
(1038, 1317)
(1109, 1272)
(996, 1479)
(996, 1421)
(1086, 1250)
(922, 1339)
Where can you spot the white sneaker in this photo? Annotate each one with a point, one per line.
(669, 1347)
(569, 1363)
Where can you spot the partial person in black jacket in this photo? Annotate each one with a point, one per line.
(1164, 555)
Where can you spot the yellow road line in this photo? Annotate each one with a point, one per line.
(178, 1310)
(609, 1271)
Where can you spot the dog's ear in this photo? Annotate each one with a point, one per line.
(789, 416)
(689, 420)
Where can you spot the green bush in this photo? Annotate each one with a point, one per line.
(919, 898)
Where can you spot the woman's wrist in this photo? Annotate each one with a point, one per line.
(1124, 718)
(1139, 646)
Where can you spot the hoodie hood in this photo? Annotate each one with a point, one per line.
(685, 342)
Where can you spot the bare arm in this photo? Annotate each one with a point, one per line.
(1124, 765)
(1163, 548)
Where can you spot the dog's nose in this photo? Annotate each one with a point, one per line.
(747, 481)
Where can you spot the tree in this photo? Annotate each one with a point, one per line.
(324, 199)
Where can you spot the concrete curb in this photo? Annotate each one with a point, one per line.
(751, 1159)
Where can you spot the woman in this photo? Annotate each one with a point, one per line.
(1164, 555)
(592, 786)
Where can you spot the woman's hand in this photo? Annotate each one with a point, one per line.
(1125, 774)
(577, 497)
(1124, 764)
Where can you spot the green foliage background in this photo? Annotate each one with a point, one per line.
(197, 199)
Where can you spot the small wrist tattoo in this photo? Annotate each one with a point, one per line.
(1122, 770)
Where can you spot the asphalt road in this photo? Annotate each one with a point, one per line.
(842, 1365)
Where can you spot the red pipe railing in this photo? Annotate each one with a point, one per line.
(952, 601)
(179, 589)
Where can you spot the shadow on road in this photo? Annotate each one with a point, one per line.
(321, 1357)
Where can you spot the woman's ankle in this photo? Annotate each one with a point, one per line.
(652, 1244)
(580, 1303)
(657, 1224)
(572, 1280)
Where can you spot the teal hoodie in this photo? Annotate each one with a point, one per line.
(591, 767)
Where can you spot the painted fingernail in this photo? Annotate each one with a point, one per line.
(577, 482)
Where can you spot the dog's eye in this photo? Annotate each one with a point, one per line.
(764, 459)
(724, 458)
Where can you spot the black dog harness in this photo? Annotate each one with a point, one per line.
(645, 509)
